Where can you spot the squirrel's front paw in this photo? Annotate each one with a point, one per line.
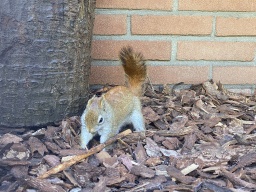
(85, 138)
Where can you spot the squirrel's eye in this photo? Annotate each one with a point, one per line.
(101, 120)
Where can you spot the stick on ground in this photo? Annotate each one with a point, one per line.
(78, 158)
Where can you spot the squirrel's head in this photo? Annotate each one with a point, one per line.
(96, 115)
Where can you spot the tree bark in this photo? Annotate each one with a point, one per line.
(44, 60)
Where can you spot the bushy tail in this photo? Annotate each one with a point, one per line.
(135, 68)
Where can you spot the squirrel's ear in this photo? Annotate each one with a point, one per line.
(91, 100)
(102, 103)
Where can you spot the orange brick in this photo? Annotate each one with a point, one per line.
(110, 25)
(151, 50)
(212, 50)
(218, 5)
(171, 24)
(232, 26)
(235, 74)
(101, 75)
(135, 4)
(176, 74)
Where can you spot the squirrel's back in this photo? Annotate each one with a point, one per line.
(122, 102)
(135, 68)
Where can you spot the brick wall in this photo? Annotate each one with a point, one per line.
(183, 40)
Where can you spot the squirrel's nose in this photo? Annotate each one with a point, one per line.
(92, 131)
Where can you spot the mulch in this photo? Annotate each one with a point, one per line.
(199, 139)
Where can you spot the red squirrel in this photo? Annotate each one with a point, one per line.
(121, 105)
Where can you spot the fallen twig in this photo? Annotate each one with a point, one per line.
(235, 180)
(78, 158)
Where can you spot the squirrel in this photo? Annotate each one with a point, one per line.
(121, 105)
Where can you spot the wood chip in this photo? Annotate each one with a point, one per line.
(173, 172)
(142, 171)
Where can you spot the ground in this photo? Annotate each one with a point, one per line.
(198, 139)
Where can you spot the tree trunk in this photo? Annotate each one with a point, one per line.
(44, 60)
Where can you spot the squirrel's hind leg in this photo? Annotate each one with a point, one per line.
(137, 120)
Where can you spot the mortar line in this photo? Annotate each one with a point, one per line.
(210, 71)
(213, 27)
(170, 37)
(174, 45)
(254, 60)
(175, 11)
(128, 24)
(175, 6)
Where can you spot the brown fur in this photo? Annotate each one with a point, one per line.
(134, 67)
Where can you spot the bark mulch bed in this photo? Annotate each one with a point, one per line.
(199, 139)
